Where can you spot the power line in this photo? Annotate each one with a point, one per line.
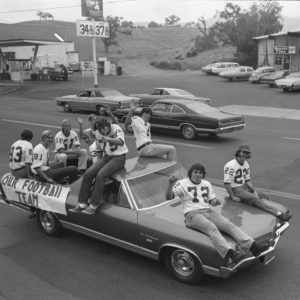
(58, 7)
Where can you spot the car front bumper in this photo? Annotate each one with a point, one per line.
(266, 257)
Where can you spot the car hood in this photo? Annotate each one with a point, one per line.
(286, 80)
(255, 222)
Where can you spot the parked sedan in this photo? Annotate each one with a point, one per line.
(189, 117)
(239, 73)
(223, 66)
(259, 72)
(289, 83)
(208, 68)
(92, 99)
(136, 216)
(163, 93)
(270, 78)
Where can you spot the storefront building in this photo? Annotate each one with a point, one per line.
(27, 50)
(280, 50)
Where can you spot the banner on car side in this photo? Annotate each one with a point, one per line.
(46, 196)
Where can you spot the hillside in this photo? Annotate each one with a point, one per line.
(138, 50)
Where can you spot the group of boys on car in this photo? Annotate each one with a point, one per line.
(108, 141)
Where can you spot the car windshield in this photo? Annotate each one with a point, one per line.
(108, 93)
(200, 108)
(277, 73)
(149, 190)
(182, 92)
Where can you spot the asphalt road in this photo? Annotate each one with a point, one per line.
(34, 266)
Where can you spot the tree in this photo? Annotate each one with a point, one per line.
(172, 20)
(48, 15)
(205, 40)
(113, 25)
(127, 24)
(40, 14)
(238, 27)
(152, 24)
(126, 27)
(44, 15)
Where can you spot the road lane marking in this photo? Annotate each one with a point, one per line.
(30, 123)
(290, 138)
(262, 111)
(270, 192)
(127, 136)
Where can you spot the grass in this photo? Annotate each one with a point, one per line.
(144, 45)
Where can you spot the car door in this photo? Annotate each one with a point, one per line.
(176, 117)
(242, 73)
(115, 220)
(160, 115)
(83, 99)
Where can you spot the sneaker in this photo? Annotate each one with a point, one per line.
(89, 210)
(257, 249)
(78, 208)
(232, 256)
(284, 217)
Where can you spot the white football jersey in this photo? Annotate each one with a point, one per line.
(113, 149)
(236, 174)
(141, 130)
(66, 142)
(40, 158)
(193, 196)
(20, 154)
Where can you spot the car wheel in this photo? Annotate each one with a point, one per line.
(234, 78)
(67, 107)
(285, 89)
(188, 132)
(183, 266)
(49, 223)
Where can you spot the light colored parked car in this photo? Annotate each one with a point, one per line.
(223, 66)
(92, 99)
(289, 83)
(240, 73)
(270, 78)
(259, 72)
(170, 93)
(208, 68)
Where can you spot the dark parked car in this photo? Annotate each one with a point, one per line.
(189, 117)
(270, 79)
(92, 99)
(136, 216)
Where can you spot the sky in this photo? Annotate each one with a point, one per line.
(13, 11)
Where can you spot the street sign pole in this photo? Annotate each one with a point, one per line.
(95, 59)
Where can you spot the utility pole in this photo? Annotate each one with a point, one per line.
(95, 58)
